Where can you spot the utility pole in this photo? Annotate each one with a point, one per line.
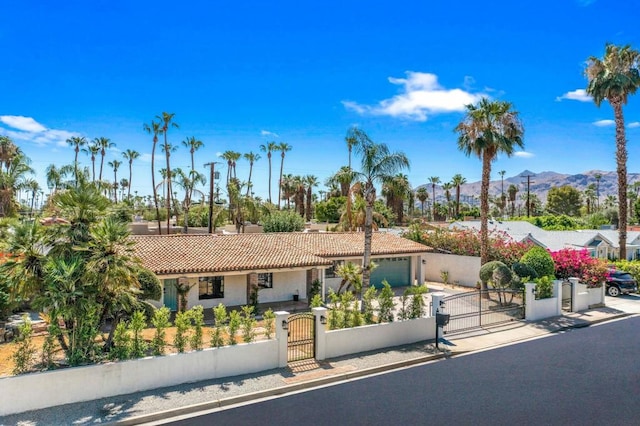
(211, 185)
(528, 182)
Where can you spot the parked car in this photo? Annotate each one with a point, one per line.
(620, 282)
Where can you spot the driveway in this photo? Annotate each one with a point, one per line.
(629, 303)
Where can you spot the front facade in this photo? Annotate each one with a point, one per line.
(213, 269)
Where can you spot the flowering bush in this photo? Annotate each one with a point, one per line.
(578, 263)
(467, 243)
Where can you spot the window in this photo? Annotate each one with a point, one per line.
(210, 288)
(265, 280)
(331, 272)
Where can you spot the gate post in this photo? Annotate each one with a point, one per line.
(281, 335)
(574, 291)
(530, 300)
(557, 292)
(321, 340)
(436, 298)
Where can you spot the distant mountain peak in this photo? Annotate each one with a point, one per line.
(526, 172)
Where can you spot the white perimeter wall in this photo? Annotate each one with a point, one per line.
(40, 390)
(370, 337)
(464, 270)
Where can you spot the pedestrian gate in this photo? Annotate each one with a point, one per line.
(483, 308)
(567, 296)
(301, 338)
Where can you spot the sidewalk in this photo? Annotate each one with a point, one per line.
(144, 407)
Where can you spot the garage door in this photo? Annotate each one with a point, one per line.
(396, 270)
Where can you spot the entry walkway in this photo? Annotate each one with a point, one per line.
(152, 406)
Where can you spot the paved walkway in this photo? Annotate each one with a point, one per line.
(146, 407)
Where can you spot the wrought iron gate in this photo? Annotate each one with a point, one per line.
(301, 339)
(483, 308)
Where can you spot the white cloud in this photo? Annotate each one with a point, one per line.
(268, 133)
(421, 96)
(523, 154)
(26, 124)
(145, 158)
(634, 124)
(28, 129)
(604, 123)
(576, 95)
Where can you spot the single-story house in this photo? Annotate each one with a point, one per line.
(225, 268)
(601, 243)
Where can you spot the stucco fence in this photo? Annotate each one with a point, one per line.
(463, 270)
(70, 385)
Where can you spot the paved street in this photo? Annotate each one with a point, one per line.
(583, 376)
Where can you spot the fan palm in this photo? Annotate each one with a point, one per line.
(422, 195)
(251, 157)
(76, 142)
(130, 155)
(458, 180)
(269, 148)
(166, 120)
(103, 144)
(154, 129)
(489, 128)
(433, 180)
(115, 165)
(283, 147)
(614, 78)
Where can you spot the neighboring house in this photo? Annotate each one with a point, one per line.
(601, 243)
(225, 268)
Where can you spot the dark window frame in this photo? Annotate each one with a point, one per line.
(331, 272)
(265, 280)
(214, 287)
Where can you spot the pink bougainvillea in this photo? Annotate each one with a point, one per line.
(578, 263)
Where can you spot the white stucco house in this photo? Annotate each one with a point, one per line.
(225, 268)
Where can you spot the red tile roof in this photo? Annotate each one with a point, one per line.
(179, 254)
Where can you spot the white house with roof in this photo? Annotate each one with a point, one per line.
(226, 268)
(600, 243)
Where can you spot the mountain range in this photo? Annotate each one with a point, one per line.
(540, 183)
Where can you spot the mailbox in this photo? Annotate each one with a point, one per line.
(442, 319)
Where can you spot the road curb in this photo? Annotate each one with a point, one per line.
(225, 402)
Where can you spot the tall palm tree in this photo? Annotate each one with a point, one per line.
(422, 194)
(489, 128)
(92, 150)
(130, 155)
(377, 164)
(13, 177)
(54, 178)
(251, 157)
(283, 147)
(76, 142)
(351, 140)
(103, 144)
(433, 180)
(614, 78)
(598, 177)
(447, 187)
(166, 120)
(193, 144)
(395, 189)
(311, 181)
(115, 164)
(154, 129)
(502, 197)
(458, 180)
(269, 148)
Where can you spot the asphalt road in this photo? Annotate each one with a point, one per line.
(585, 376)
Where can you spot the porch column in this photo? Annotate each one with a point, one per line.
(252, 282)
(282, 336)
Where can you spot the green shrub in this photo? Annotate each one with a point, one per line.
(524, 272)
(417, 307)
(486, 271)
(220, 316)
(540, 260)
(121, 349)
(544, 287)
(197, 321)
(136, 325)
(248, 324)
(385, 303)
(283, 221)
(149, 285)
(234, 324)
(182, 324)
(269, 319)
(316, 301)
(501, 277)
(25, 351)
(367, 300)
(161, 322)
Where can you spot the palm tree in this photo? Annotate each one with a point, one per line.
(154, 129)
(54, 178)
(130, 155)
(311, 181)
(283, 147)
(251, 157)
(377, 164)
(115, 164)
(103, 144)
(351, 140)
(458, 180)
(193, 144)
(489, 128)
(76, 142)
(422, 194)
(188, 181)
(502, 197)
(433, 180)
(590, 195)
(447, 187)
(614, 78)
(395, 189)
(269, 148)
(92, 149)
(166, 120)
(598, 177)
(13, 177)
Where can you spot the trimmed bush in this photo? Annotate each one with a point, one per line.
(539, 260)
(524, 271)
(486, 271)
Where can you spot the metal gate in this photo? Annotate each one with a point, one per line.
(301, 337)
(483, 308)
(567, 298)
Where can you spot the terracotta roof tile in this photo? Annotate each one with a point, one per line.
(176, 254)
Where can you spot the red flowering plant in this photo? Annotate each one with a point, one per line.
(579, 264)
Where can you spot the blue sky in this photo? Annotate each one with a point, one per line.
(239, 74)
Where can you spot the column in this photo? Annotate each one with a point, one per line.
(321, 337)
(281, 335)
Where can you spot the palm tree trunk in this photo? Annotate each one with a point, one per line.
(167, 154)
(621, 161)
(130, 176)
(93, 168)
(153, 184)
(249, 182)
(484, 208)
(102, 153)
(280, 181)
(269, 157)
(370, 197)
